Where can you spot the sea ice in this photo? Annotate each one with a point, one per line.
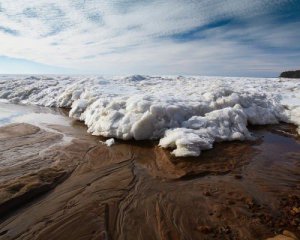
(187, 114)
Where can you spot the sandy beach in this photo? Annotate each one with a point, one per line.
(58, 182)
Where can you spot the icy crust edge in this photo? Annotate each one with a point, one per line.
(188, 129)
(186, 124)
(199, 133)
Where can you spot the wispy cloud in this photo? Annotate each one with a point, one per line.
(175, 37)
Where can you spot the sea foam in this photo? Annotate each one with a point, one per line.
(186, 114)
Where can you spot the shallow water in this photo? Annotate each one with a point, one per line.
(45, 118)
(40, 116)
(138, 190)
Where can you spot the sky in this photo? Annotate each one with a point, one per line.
(258, 38)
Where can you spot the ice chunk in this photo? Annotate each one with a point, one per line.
(110, 142)
(199, 133)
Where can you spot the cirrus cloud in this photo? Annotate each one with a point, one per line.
(213, 37)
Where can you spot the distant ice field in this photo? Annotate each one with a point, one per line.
(186, 114)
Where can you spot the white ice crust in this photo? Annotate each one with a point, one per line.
(187, 114)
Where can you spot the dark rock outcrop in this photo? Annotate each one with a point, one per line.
(290, 74)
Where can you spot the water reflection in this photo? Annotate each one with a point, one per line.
(36, 115)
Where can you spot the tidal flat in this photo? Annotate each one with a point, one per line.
(59, 182)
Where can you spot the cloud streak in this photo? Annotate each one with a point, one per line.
(154, 37)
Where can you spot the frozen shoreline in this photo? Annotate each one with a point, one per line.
(187, 114)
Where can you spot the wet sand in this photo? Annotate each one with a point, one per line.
(51, 188)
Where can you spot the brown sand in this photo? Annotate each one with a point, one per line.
(85, 190)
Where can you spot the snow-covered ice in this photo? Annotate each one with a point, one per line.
(187, 114)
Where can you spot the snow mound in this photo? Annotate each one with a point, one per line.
(187, 114)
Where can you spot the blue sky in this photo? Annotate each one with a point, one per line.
(215, 37)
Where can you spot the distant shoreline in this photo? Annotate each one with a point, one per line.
(290, 74)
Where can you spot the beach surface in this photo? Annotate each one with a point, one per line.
(59, 182)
